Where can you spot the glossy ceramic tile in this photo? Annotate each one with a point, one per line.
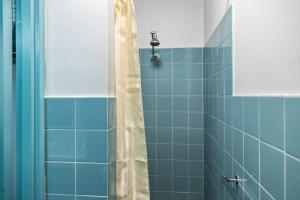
(91, 146)
(60, 145)
(96, 177)
(60, 178)
(80, 148)
(91, 113)
(60, 113)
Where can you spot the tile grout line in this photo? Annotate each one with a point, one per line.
(259, 157)
(172, 114)
(107, 146)
(75, 178)
(156, 128)
(284, 147)
(188, 142)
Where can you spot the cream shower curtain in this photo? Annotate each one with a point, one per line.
(131, 160)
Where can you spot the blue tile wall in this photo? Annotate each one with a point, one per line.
(252, 137)
(173, 107)
(80, 148)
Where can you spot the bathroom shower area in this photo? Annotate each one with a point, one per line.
(149, 100)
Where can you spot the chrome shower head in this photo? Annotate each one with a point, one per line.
(154, 42)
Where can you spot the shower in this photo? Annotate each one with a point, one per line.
(154, 43)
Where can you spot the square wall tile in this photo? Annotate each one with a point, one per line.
(153, 184)
(60, 145)
(292, 117)
(149, 103)
(292, 178)
(196, 120)
(188, 55)
(180, 87)
(251, 116)
(271, 124)
(164, 119)
(251, 189)
(180, 168)
(196, 136)
(181, 184)
(237, 112)
(196, 196)
(164, 71)
(237, 143)
(196, 152)
(196, 87)
(91, 179)
(149, 87)
(164, 167)
(164, 103)
(180, 196)
(180, 152)
(180, 119)
(90, 198)
(196, 168)
(164, 183)
(251, 156)
(112, 112)
(151, 151)
(60, 113)
(164, 151)
(180, 103)
(91, 113)
(264, 195)
(180, 71)
(228, 80)
(60, 197)
(195, 71)
(196, 103)
(150, 119)
(196, 184)
(271, 170)
(164, 87)
(180, 135)
(148, 72)
(150, 135)
(91, 146)
(164, 195)
(164, 135)
(152, 169)
(60, 178)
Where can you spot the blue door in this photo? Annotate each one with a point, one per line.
(30, 73)
(6, 101)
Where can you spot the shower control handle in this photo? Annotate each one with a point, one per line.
(235, 179)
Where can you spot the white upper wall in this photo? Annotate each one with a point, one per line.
(179, 23)
(77, 47)
(266, 57)
(266, 47)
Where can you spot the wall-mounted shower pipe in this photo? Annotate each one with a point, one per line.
(154, 43)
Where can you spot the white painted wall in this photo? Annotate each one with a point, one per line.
(265, 43)
(179, 23)
(267, 47)
(78, 52)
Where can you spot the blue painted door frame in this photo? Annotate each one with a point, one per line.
(30, 87)
(6, 99)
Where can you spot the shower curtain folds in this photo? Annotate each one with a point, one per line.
(131, 158)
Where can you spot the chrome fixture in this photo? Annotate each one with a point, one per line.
(236, 179)
(154, 43)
